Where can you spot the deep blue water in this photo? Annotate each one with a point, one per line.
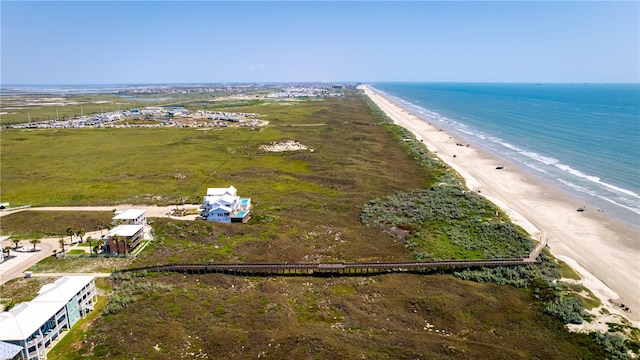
(583, 138)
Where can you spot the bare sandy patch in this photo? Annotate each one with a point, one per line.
(286, 145)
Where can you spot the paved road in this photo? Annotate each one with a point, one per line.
(20, 262)
(70, 274)
(152, 211)
(15, 267)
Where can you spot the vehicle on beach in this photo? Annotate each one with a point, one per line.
(500, 167)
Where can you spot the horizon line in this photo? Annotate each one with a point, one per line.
(313, 81)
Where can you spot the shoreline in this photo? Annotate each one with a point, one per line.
(605, 248)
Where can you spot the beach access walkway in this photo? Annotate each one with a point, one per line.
(327, 269)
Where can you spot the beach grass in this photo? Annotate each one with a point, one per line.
(80, 264)
(386, 316)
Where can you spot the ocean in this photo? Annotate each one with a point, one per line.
(581, 138)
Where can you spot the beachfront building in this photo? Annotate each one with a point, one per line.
(123, 239)
(130, 217)
(34, 326)
(225, 206)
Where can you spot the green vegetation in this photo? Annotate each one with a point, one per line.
(21, 289)
(76, 252)
(80, 264)
(388, 316)
(129, 291)
(167, 165)
(446, 222)
(566, 272)
(567, 308)
(39, 224)
(613, 345)
(308, 206)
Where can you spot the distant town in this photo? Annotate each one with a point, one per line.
(156, 115)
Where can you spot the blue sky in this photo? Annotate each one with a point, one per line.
(99, 42)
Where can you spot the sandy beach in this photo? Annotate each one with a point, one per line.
(605, 252)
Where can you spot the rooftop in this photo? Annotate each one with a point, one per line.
(25, 318)
(130, 214)
(124, 230)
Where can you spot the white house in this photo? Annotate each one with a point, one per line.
(224, 205)
(130, 217)
(36, 324)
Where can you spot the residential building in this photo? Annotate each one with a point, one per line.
(123, 239)
(224, 205)
(37, 324)
(130, 217)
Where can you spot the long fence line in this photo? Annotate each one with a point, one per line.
(271, 269)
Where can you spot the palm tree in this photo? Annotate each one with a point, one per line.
(35, 242)
(80, 233)
(62, 243)
(70, 232)
(16, 242)
(90, 239)
(101, 226)
(8, 250)
(127, 242)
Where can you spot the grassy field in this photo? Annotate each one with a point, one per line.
(39, 224)
(308, 206)
(21, 289)
(383, 317)
(162, 166)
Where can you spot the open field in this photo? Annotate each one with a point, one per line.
(309, 206)
(38, 224)
(162, 166)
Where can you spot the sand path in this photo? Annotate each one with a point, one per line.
(605, 248)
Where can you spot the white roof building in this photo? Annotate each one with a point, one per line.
(130, 216)
(217, 192)
(35, 324)
(26, 318)
(63, 289)
(125, 230)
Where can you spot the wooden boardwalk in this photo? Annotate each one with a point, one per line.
(327, 269)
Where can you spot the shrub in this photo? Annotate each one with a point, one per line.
(613, 345)
(566, 308)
